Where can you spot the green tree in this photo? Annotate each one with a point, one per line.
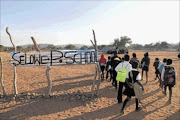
(156, 46)
(84, 47)
(137, 46)
(1, 48)
(164, 46)
(19, 48)
(122, 42)
(30, 48)
(70, 46)
(148, 46)
(51, 47)
(91, 47)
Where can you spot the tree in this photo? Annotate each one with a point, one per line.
(19, 48)
(51, 47)
(91, 47)
(100, 47)
(156, 46)
(137, 47)
(84, 47)
(125, 40)
(122, 42)
(1, 48)
(30, 48)
(148, 46)
(164, 45)
(70, 46)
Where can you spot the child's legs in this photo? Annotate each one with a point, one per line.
(170, 92)
(146, 76)
(137, 102)
(165, 88)
(107, 74)
(125, 102)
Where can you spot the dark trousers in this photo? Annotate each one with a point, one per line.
(107, 74)
(114, 78)
(119, 97)
(127, 99)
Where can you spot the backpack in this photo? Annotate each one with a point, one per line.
(121, 74)
(169, 75)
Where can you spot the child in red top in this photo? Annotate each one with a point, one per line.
(102, 63)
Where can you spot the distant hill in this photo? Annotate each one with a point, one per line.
(77, 45)
(57, 46)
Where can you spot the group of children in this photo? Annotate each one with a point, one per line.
(115, 64)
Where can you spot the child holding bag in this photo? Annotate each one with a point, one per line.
(134, 76)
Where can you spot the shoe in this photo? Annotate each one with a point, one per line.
(169, 101)
(122, 112)
(119, 101)
(138, 109)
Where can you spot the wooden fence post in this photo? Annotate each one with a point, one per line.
(1, 78)
(14, 67)
(35, 44)
(98, 71)
(48, 92)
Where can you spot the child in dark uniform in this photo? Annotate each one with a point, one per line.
(156, 64)
(130, 91)
(145, 65)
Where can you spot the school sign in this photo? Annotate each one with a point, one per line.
(59, 57)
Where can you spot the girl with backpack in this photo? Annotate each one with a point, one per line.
(134, 59)
(160, 68)
(129, 90)
(145, 65)
(102, 63)
(169, 78)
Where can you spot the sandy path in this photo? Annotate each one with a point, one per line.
(69, 79)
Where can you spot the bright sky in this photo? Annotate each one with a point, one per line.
(71, 22)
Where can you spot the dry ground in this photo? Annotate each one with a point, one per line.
(69, 79)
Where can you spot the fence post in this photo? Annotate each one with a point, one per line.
(1, 78)
(48, 92)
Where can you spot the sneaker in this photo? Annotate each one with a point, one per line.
(138, 109)
(121, 111)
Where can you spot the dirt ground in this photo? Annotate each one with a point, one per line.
(67, 80)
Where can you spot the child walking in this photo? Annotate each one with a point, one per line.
(102, 63)
(130, 91)
(169, 78)
(160, 68)
(108, 68)
(145, 65)
(156, 64)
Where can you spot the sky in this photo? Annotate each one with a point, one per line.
(71, 22)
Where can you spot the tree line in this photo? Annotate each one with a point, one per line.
(124, 42)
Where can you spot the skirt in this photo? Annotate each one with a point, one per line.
(129, 92)
(145, 68)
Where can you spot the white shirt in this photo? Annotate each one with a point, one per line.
(124, 64)
(160, 63)
(162, 75)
